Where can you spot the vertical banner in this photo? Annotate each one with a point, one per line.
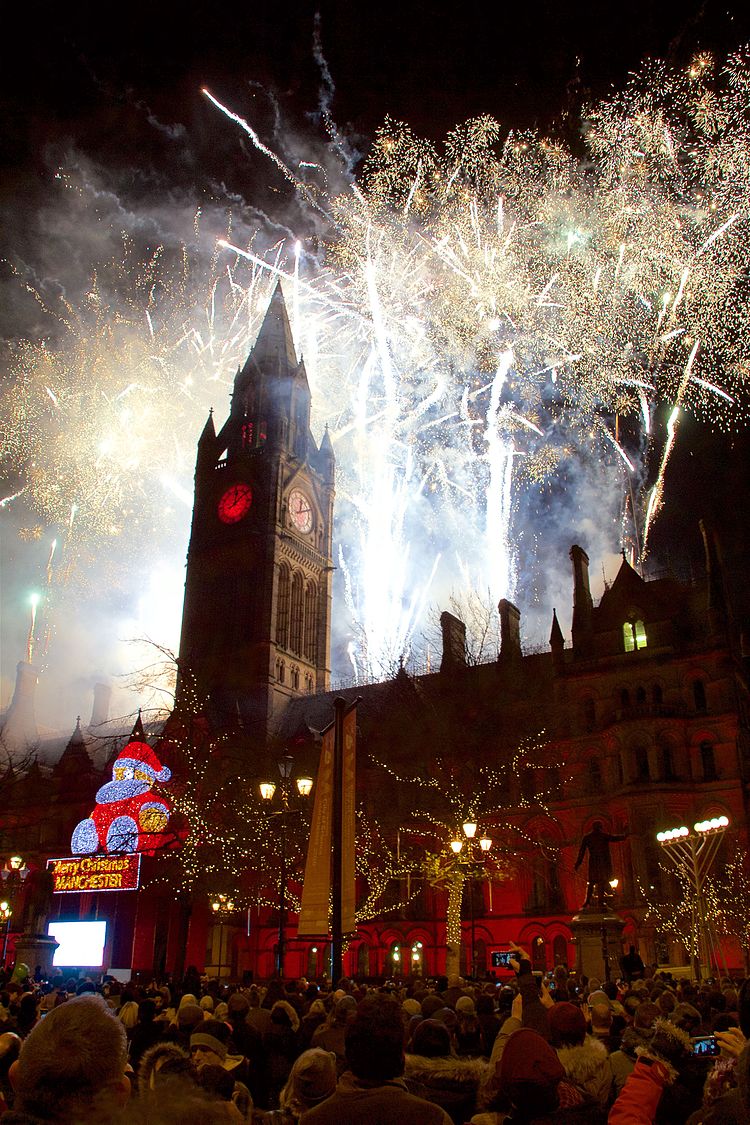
(348, 820)
(316, 890)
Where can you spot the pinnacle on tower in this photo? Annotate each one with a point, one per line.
(275, 344)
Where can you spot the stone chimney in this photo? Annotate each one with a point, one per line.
(100, 710)
(20, 729)
(717, 605)
(454, 642)
(582, 605)
(510, 633)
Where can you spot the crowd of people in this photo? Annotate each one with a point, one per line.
(528, 1051)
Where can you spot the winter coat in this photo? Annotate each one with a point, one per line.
(642, 1092)
(588, 1066)
(448, 1081)
(623, 1061)
(356, 1102)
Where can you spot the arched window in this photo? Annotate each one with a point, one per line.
(311, 622)
(538, 955)
(560, 951)
(667, 761)
(708, 761)
(595, 775)
(282, 611)
(640, 756)
(657, 697)
(699, 695)
(296, 613)
(634, 635)
(480, 957)
(640, 696)
(363, 960)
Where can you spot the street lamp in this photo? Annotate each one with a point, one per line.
(13, 873)
(303, 785)
(692, 855)
(473, 861)
(222, 906)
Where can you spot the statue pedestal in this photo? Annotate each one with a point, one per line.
(36, 949)
(598, 938)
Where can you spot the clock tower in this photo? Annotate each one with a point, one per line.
(257, 612)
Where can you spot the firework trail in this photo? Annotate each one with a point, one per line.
(487, 313)
(510, 307)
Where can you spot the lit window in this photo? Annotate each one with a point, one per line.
(634, 635)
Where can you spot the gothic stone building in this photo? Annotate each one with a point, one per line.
(643, 715)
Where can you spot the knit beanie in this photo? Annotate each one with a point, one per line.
(432, 1004)
(238, 1004)
(201, 1039)
(314, 1076)
(431, 1039)
(189, 1016)
(567, 1024)
(528, 1061)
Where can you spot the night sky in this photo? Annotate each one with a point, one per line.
(115, 94)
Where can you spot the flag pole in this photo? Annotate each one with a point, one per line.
(337, 937)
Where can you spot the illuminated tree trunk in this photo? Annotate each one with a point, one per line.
(455, 886)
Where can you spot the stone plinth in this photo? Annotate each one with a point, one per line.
(35, 949)
(593, 932)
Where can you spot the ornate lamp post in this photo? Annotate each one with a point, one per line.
(285, 788)
(222, 906)
(693, 854)
(470, 859)
(13, 873)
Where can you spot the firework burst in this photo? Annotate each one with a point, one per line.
(488, 312)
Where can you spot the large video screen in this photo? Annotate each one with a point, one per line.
(81, 944)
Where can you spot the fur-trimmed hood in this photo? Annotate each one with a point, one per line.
(588, 1066)
(446, 1071)
(160, 1052)
(635, 1037)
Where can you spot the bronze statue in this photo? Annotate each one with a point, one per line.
(596, 843)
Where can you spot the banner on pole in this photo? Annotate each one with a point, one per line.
(316, 890)
(348, 822)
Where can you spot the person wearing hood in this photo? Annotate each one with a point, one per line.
(281, 1048)
(583, 1057)
(372, 1091)
(531, 1088)
(444, 1079)
(637, 1037)
(311, 1080)
(152, 1061)
(331, 1035)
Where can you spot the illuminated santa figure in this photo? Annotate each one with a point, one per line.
(129, 816)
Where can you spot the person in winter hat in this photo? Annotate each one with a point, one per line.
(533, 1081)
(583, 1057)
(311, 1080)
(442, 1077)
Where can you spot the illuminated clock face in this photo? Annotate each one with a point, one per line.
(300, 511)
(235, 503)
